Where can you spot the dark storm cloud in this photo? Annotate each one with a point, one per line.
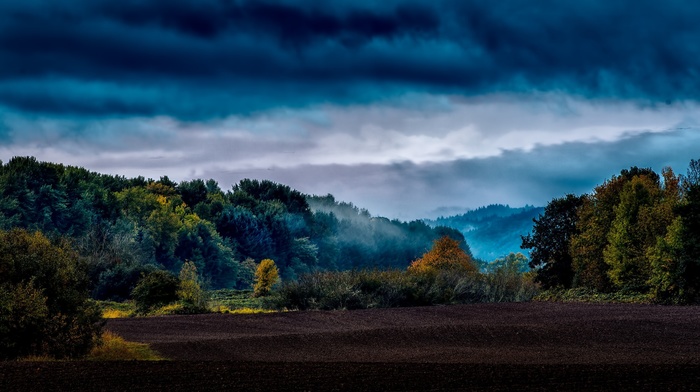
(216, 57)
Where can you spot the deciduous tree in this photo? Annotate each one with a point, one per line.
(266, 276)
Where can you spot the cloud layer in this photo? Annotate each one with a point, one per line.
(399, 106)
(198, 59)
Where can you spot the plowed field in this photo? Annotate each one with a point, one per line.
(519, 346)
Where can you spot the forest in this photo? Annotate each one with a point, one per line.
(127, 227)
(637, 233)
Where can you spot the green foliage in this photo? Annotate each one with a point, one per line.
(44, 303)
(583, 294)
(124, 228)
(551, 239)
(266, 275)
(632, 233)
(637, 236)
(190, 292)
(666, 259)
(158, 288)
(236, 300)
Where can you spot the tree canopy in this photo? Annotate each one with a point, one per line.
(637, 232)
(126, 228)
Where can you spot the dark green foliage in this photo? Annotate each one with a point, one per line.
(158, 288)
(636, 236)
(687, 272)
(550, 242)
(192, 192)
(125, 227)
(117, 283)
(44, 303)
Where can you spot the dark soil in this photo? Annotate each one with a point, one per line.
(523, 346)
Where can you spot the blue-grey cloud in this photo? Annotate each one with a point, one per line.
(198, 59)
(408, 190)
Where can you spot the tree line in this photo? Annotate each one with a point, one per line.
(125, 228)
(638, 232)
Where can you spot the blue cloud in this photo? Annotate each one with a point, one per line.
(242, 56)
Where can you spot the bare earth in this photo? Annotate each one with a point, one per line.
(516, 346)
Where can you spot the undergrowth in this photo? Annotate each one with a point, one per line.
(110, 347)
(114, 348)
(593, 296)
(395, 288)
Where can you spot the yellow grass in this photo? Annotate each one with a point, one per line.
(115, 313)
(115, 348)
(226, 309)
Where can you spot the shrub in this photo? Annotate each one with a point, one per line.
(394, 288)
(190, 292)
(44, 304)
(158, 288)
(117, 282)
(265, 277)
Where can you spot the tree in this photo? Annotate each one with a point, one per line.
(639, 221)
(44, 302)
(265, 277)
(550, 241)
(190, 291)
(446, 254)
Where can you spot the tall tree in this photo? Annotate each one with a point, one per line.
(550, 241)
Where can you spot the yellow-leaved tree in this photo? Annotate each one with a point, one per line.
(266, 275)
(445, 254)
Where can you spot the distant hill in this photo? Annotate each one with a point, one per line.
(492, 231)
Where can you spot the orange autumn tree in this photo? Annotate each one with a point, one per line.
(444, 255)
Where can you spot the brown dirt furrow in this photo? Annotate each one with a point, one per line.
(347, 376)
(526, 333)
(502, 347)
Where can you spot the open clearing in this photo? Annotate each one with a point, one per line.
(526, 346)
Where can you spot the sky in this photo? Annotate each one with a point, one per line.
(410, 109)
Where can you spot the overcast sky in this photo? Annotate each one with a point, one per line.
(406, 108)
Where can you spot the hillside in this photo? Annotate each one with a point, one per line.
(127, 227)
(492, 231)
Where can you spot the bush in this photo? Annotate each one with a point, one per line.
(394, 288)
(158, 288)
(44, 304)
(117, 282)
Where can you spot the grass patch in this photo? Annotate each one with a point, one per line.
(227, 310)
(593, 296)
(111, 309)
(237, 301)
(220, 301)
(115, 348)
